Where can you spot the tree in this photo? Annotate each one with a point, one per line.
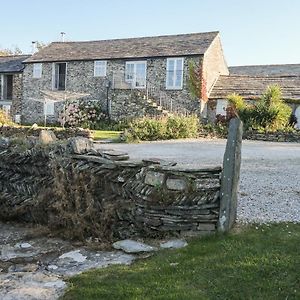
(15, 51)
(40, 45)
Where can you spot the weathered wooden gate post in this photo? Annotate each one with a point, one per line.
(230, 176)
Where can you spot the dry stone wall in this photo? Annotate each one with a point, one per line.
(273, 137)
(84, 192)
(12, 131)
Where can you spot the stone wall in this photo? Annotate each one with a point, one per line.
(101, 193)
(124, 103)
(214, 63)
(16, 108)
(273, 137)
(21, 132)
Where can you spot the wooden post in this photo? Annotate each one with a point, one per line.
(230, 176)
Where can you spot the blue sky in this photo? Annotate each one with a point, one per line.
(252, 32)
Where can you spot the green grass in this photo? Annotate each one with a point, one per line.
(102, 135)
(257, 263)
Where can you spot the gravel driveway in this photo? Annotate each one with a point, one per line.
(270, 174)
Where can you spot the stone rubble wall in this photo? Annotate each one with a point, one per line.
(84, 192)
(12, 131)
(124, 103)
(273, 137)
(16, 108)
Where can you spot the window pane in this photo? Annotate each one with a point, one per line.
(129, 72)
(178, 79)
(171, 65)
(170, 78)
(179, 64)
(140, 74)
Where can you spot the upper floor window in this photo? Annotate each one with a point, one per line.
(59, 72)
(37, 70)
(174, 78)
(135, 73)
(100, 68)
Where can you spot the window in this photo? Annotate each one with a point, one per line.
(100, 68)
(221, 107)
(174, 78)
(37, 70)
(135, 73)
(6, 87)
(49, 108)
(59, 71)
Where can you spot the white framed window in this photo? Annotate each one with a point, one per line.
(221, 107)
(135, 73)
(49, 108)
(174, 78)
(37, 70)
(100, 68)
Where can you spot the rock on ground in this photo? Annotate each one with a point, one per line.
(131, 246)
(174, 244)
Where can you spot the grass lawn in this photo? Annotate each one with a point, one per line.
(256, 263)
(102, 135)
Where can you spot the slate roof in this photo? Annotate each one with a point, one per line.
(12, 64)
(252, 87)
(266, 70)
(157, 46)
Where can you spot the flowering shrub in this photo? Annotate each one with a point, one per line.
(85, 114)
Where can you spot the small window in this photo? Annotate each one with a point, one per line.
(221, 107)
(174, 78)
(37, 70)
(49, 108)
(100, 68)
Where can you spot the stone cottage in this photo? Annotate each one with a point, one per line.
(251, 81)
(129, 77)
(11, 84)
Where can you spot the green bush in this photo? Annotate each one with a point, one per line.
(152, 129)
(182, 127)
(218, 130)
(269, 113)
